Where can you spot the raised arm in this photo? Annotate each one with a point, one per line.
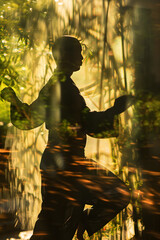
(105, 124)
(25, 116)
(102, 124)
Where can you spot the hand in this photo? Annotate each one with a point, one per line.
(8, 94)
(123, 102)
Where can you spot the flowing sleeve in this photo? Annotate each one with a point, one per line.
(26, 117)
(103, 124)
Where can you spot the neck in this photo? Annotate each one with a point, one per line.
(64, 71)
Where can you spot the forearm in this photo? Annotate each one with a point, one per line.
(21, 115)
(25, 116)
(102, 124)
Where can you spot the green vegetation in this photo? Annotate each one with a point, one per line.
(112, 67)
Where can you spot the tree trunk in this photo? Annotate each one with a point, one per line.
(148, 136)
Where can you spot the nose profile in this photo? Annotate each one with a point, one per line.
(81, 57)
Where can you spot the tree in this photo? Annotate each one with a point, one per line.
(146, 85)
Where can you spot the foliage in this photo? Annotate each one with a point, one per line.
(11, 60)
(147, 116)
(32, 25)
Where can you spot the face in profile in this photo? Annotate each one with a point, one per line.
(67, 52)
(76, 58)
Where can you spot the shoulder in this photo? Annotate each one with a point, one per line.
(44, 92)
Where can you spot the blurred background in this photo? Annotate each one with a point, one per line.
(121, 49)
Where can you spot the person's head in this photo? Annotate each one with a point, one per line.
(67, 53)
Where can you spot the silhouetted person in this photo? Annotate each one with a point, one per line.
(69, 180)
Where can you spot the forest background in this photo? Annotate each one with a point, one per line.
(121, 48)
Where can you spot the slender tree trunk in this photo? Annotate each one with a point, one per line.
(105, 21)
(123, 46)
(148, 138)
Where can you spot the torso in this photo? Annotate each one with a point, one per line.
(69, 138)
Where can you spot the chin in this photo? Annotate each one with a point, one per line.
(77, 68)
(74, 68)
